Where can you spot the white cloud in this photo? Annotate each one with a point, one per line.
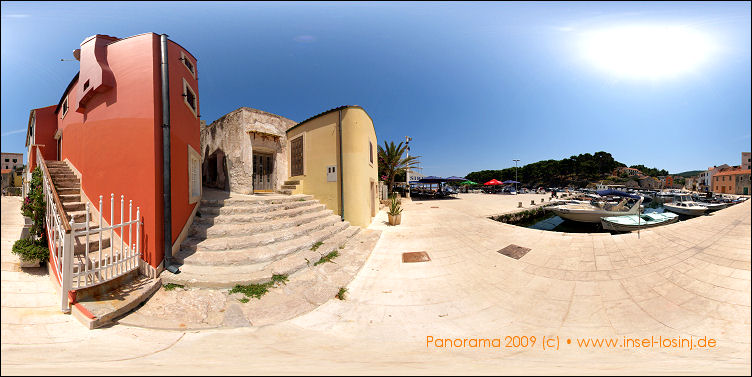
(18, 131)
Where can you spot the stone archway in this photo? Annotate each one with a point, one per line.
(214, 170)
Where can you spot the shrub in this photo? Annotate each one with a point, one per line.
(30, 250)
(34, 206)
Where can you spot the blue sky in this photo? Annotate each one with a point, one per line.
(474, 84)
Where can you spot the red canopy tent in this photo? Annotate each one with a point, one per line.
(493, 182)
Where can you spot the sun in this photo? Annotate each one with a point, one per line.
(646, 51)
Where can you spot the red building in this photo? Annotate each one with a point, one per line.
(108, 130)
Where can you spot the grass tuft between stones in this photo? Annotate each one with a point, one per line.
(316, 245)
(327, 258)
(172, 286)
(341, 294)
(258, 290)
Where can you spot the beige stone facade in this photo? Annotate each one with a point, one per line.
(231, 144)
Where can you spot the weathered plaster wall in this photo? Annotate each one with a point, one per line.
(237, 134)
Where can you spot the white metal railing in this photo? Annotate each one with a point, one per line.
(93, 268)
(82, 269)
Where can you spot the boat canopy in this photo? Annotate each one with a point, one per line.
(617, 193)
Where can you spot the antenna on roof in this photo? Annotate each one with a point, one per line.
(76, 54)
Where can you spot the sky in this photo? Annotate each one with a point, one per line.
(475, 85)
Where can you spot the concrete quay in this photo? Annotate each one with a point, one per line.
(688, 279)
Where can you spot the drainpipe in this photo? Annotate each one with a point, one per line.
(341, 176)
(166, 183)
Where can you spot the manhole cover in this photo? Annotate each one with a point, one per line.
(414, 257)
(514, 251)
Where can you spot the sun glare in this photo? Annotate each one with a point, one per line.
(649, 52)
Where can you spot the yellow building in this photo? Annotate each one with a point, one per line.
(332, 156)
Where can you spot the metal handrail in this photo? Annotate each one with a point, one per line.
(55, 197)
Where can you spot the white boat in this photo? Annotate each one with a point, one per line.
(684, 205)
(713, 206)
(629, 223)
(588, 213)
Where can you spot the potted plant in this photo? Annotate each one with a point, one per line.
(395, 211)
(31, 252)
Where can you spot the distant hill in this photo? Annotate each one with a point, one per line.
(579, 170)
(688, 174)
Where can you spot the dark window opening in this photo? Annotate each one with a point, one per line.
(296, 156)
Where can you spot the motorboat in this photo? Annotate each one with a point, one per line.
(590, 213)
(684, 205)
(628, 223)
(713, 206)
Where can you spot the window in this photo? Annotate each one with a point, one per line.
(187, 63)
(370, 150)
(189, 98)
(194, 175)
(64, 107)
(296, 156)
(6, 160)
(15, 160)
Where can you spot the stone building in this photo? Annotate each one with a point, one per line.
(331, 156)
(245, 151)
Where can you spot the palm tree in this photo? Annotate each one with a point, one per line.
(392, 162)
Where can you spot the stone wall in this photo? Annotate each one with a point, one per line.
(231, 141)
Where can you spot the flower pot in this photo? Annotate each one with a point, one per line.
(395, 219)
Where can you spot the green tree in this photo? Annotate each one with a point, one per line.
(392, 162)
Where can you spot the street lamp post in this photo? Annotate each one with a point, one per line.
(515, 175)
(407, 172)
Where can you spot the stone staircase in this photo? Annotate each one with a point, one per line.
(68, 188)
(247, 239)
(288, 187)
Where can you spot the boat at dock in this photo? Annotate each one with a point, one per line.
(684, 205)
(590, 213)
(629, 223)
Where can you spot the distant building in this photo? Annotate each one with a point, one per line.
(11, 161)
(746, 160)
(706, 177)
(632, 172)
(732, 181)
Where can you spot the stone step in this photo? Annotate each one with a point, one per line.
(60, 171)
(244, 241)
(78, 216)
(293, 183)
(264, 254)
(227, 276)
(242, 209)
(104, 308)
(255, 217)
(68, 191)
(291, 220)
(69, 198)
(79, 243)
(289, 187)
(67, 184)
(73, 206)
(259, 200)
(285, 192)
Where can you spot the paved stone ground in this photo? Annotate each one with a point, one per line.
(194, 308)
(686, 279)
